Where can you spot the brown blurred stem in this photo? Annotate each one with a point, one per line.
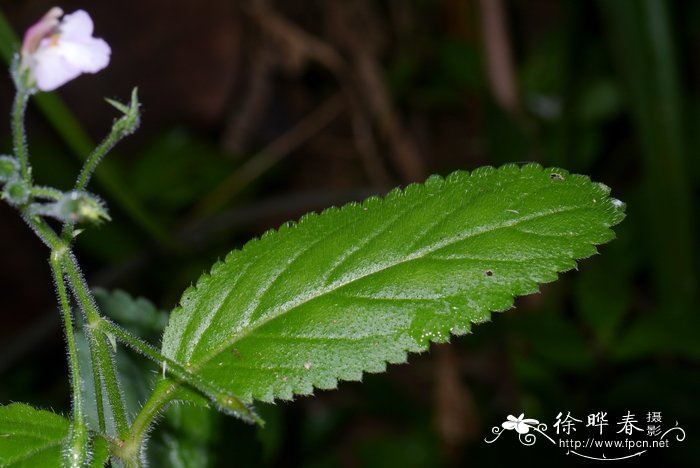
(269, 156)
(455, 414)
(499, 56)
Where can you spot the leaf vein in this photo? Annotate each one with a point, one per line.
(281, 272)
(293, 304)
(310, 338)
(204, 325)
(343, 259)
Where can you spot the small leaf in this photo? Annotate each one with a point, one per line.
(130, 121)
(31, 438)
(348, 290)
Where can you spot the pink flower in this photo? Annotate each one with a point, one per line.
(522, 426)
(56, 52)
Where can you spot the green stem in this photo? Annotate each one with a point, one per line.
(56, 269)
(88, 169)
(95, 157)
(97, 383)
(104, 372)
(224, 400)
(19, 136)
(162, 395)
(78, 443)
(99, 343)
(165, 389)
(43, 231)
(46, 193)
(59, 249)
(108, 378)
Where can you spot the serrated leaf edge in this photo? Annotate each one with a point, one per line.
(614, 207)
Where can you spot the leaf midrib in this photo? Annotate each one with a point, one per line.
(301, 300)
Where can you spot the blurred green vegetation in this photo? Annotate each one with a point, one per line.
(607, 89)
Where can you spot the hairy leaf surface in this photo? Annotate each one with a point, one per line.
(348, 290)
(30, 438)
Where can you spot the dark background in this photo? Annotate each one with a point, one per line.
(255, 112)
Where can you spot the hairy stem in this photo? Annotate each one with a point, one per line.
(77, 452)
(46, 193)
(99, 344)
(102, 364)
(162, 395)
(95, 157)
(97, 383)
(88, 169)
(19, 137)
(43, 231)
(182, 374)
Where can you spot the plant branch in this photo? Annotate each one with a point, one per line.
(125, 125)
(94, 159)
(98, 344)
(19, 137)
(223, 399)
(97, 383)
(43, 231)
(164, 392)
(78, 443)
(59, 252)
(47, 193)
(162, 395)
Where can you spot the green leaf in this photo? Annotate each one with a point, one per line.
(30, 437)
(348, 290)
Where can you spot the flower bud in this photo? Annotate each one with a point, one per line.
(9, 168)
(74, 207)
(16, 191)
(131, 119)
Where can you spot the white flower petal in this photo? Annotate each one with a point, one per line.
(51, 69)
(89, 55)
(77, 25)
(63, 54)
